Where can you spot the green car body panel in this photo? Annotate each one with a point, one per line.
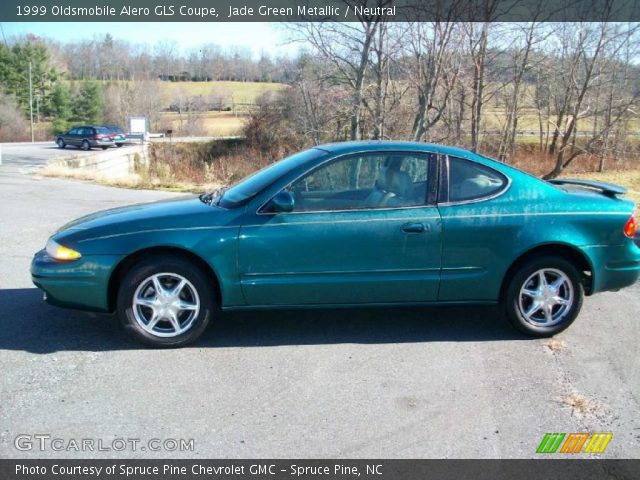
(354, 257)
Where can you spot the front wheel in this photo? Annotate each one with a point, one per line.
(85, 145)
(544, 296)
(61, 143)
(165, 302)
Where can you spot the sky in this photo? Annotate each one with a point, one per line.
(258, 37)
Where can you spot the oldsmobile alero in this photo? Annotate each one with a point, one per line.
(347, 225)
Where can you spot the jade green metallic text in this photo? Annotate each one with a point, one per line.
(432, 251)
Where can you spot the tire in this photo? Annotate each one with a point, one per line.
(60, 143)
(119, 144)
(543, 310)
(104, 148)
(171, 328)
(85, 145)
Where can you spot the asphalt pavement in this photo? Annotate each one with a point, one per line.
(367, 383)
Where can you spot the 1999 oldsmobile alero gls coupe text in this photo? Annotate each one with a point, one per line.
(350, 224)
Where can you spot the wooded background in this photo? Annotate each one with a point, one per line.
(549, 95)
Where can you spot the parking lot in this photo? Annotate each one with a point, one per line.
(385, 383)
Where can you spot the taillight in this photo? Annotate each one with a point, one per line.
(97, 136)
(631, 227)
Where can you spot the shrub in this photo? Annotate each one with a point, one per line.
(13, 126)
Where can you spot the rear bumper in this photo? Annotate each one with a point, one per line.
(81, 284)
(614, 267)
(102, 143)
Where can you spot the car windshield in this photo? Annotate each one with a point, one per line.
(250, 186)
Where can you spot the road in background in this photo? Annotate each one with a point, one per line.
(28, 157)
(383, 383)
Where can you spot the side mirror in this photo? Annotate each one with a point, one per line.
(282, 202)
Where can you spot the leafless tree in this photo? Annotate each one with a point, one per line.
(436, 63)
(347, 48)
(520, 49)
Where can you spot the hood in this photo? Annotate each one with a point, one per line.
(183, 212)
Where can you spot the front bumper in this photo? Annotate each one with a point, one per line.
(81, 284)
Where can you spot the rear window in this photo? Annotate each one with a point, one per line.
(472, 181)
(101, 130)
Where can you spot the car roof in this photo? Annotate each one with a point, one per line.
(373, 145)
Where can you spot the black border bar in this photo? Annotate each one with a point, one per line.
(318, 10)
(556, 469)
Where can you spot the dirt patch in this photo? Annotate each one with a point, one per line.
(555, 345)
(581, 406)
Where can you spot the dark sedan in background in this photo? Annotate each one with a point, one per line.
(87, 137)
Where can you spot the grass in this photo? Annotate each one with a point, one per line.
(237, 96)
(211, 124)
(132, 181)
(494, 117)
(238, 92)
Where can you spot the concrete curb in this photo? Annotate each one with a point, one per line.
(113, 163)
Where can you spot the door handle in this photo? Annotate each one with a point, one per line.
(414, 227)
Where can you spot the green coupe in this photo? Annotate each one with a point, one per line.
(347, 225)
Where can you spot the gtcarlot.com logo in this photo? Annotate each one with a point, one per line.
(574, 442)
(45, 442)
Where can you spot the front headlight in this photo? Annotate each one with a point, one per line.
(57, 251)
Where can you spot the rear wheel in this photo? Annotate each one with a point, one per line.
(119, 144)
(165, 302)
(85, 145)
(544, 296)
(61, 143)
(104, 148)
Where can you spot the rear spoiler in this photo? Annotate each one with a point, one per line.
(608, 189)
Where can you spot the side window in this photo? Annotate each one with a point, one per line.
(75, 131)
(472, 181)
(368, 181)
(87, 131)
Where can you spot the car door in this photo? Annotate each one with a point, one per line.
(478, 232)
(87, 134)
(80, 135)
(71, 137)
(364, 229)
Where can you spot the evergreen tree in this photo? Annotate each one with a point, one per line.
(88, 106)
(14, 73)
(61, 107)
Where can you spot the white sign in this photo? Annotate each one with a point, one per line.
(138, 125)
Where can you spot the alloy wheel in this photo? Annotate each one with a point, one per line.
(546, 297)
(166, 304)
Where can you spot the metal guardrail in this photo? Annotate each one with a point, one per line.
(536, 133)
